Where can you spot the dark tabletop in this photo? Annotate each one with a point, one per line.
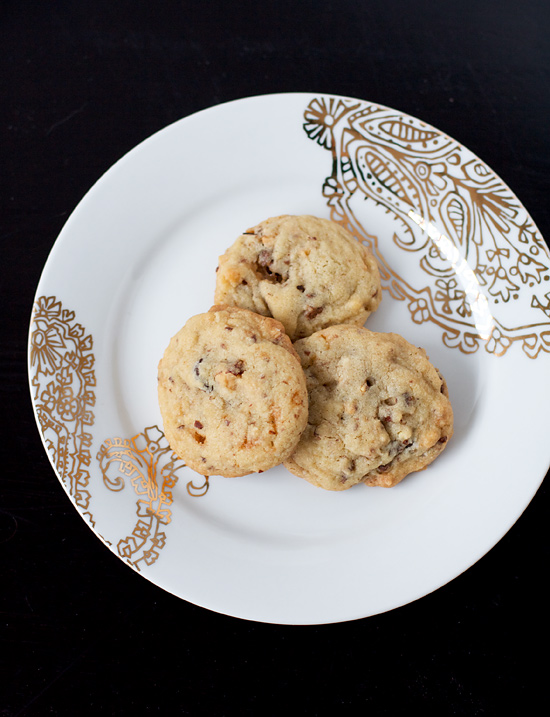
(81, 83)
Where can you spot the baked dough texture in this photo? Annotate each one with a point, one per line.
(306, 272)
(378, 409)
(232, 393)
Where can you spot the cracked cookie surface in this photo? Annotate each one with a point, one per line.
(306, 272)
(232, 393)
(378, 409)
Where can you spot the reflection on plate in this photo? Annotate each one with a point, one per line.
(465, 274)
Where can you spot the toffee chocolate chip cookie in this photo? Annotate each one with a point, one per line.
(232, 393)
(307, 273)
(378, 409)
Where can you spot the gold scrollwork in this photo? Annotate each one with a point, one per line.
(472, 240)
(63, 390)
(148, 463)
(63, 382)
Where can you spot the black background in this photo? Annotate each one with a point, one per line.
(81, 83)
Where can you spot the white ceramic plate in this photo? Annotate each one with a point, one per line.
(466, 276)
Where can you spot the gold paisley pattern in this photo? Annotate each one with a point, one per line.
(63, 381)
(147, 462)
(63, 385)
(478, 252)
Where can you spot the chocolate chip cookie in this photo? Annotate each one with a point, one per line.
(306, 272)
(232, 393)
(378, 409)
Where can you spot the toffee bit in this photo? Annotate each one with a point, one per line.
(264, 257)
(238, 368)
(312, 311)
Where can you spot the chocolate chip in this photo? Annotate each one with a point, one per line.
(196, 371)
(301, 288)
(229, 328)
(244, 282)
(443, 439)
(198, 425)
(383, 469)
(370, 382)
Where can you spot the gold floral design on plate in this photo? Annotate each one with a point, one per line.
(475, 251)
(148, 463)
(62, 384)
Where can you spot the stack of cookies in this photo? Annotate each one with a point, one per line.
(281, 370)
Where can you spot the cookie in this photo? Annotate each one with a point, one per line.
(307, 273)
(378, 409)
(232, 393)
